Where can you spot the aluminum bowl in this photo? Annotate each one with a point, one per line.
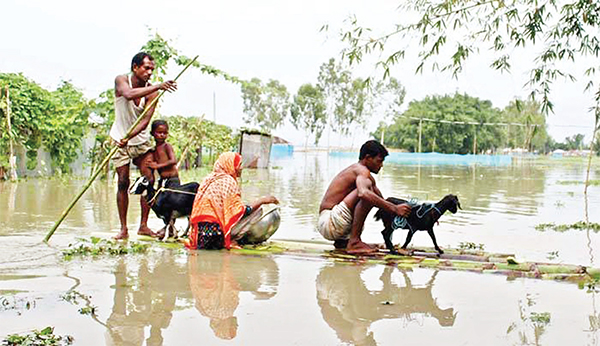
(258, 226)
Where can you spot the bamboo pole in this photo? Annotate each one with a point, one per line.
(107, 158)
(12, 159)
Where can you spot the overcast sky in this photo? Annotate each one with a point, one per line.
(89, 43)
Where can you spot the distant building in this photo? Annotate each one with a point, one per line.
(281, 148)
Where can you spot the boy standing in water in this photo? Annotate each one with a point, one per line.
(164, 156)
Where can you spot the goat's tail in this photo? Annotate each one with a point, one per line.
(379, 215)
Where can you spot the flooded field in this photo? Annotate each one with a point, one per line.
(172, 297)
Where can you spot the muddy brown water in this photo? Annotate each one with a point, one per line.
(172, 297)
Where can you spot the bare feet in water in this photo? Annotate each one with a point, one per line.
(359, 248)
(145, 230)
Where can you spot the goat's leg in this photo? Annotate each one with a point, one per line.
(387, 238)
(187, 229)
(161, 234)
(172, 230)
(408, 238)
(432, 235)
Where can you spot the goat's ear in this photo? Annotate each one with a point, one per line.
(458, 204)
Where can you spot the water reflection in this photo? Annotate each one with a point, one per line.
(349, 307)
(147, 294)
(216, 280)
(144, 298)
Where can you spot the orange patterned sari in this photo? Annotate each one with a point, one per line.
(218, 199)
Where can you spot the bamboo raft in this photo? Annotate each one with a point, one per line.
(453, 259)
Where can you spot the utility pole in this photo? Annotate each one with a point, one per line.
(420, 132)
(215, 107)
(12, 159)
(475, 141)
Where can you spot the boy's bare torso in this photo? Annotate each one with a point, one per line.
(161, 155)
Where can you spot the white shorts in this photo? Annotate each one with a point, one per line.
(335, 223)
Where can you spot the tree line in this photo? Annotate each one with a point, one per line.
(465, 124)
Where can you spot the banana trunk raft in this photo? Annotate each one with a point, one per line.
(452, 259)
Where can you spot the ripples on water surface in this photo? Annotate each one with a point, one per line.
(169, 297)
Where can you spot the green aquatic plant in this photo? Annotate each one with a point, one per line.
(38, 338)
(592, 285)
(88, 310)
(14, 303)
(540, 318)
(593, 182)
(96, 246)
(552, 255)
(465, 245)
(579, 225)
(532, 325)
(73, 297)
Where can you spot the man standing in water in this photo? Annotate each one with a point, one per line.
(132, 93)
(350, 197)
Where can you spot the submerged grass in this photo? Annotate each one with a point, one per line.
(14, 303)
(579, 225)
(594, 182)
(96, 246)
(43, 337)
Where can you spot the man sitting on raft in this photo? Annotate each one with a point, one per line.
(350, 197)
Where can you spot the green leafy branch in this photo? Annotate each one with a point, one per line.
(97, 247)
(565, 32)
(44, 337)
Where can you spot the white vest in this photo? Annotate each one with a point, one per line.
(126, 113)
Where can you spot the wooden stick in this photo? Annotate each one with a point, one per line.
(107, 158)
(182, 156)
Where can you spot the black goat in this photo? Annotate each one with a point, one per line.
(421, 218)
(168, 205)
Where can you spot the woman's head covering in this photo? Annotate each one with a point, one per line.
(219, 198)
(228, 163)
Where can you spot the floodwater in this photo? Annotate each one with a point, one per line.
(173, 297)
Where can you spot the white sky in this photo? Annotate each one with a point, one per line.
(89, 43)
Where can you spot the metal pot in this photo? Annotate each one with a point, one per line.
(258, 226)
